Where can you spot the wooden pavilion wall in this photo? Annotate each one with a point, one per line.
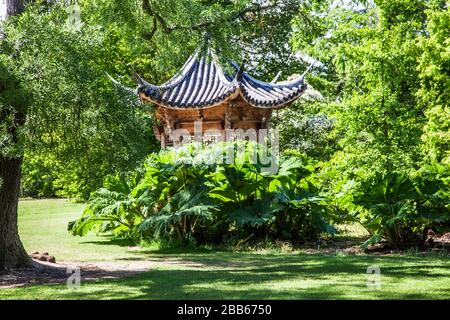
(234, 114)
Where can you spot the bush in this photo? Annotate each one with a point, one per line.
(400, 209)
(205, 194)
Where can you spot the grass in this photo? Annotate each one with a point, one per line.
(43, 228)
(224, 275)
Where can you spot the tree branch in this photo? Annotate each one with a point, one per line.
(149, 35)
(243, 14)
(147, 8)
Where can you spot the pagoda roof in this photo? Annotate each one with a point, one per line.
(202, 83)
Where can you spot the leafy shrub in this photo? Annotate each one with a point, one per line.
(181, 216)
(118, 208)
(400, 209)
(206, 194)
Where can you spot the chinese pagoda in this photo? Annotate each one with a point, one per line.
(203, 93)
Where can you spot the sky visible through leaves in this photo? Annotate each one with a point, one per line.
(2, 9)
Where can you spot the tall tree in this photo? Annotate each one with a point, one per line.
(370, 51)
(434, 93)
(12, 252)
(73, 111)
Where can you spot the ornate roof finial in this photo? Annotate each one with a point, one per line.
(240, 71)
(136, 76)
(309, 69)
(276, 77)
(205, 43)
(206, 37)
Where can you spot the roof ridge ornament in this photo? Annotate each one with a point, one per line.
(136, 76)
(240, 69)
(204, 45)
(129, 91)
(308, 70)
(206, 37)
(120, 85)
(276, 77)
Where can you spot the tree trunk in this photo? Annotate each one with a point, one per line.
(12, 253)
(14, 7)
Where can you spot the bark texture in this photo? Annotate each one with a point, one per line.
(12, 253)
(14, 7)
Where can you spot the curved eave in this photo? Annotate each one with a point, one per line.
(262, 94)
(221, 100)
(269, 95)
(277, 104)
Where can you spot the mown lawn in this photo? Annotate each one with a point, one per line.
(223, 275)
(43, 228)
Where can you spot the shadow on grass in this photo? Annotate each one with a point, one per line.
(107, 240)
(252, 276)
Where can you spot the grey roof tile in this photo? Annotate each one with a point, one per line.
(202, 83)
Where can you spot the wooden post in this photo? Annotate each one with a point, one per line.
(163, 140)
(169, 120)
(267, 115)
(228, 111)
(227, 120)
